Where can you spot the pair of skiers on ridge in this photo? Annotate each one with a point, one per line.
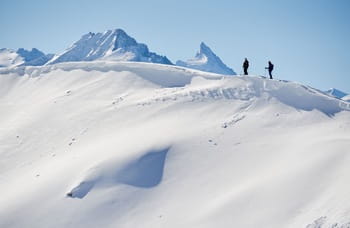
(246, 65)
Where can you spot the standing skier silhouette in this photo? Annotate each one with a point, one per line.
(270, 68)
(245, 66)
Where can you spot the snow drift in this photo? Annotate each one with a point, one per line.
(126, 144)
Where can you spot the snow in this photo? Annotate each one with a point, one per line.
(9, 58)
(130, 144)
(34, 57)
(206, 60)
(113, 45)
(336, 93)
(346, 98)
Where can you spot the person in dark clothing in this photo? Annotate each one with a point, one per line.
(270, 68)
(245, 66)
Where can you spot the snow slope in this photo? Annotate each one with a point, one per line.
(9, 58)
(113, 45)
(126, 144)
(346, 98)
(206, 60)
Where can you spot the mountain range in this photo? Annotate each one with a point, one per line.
(111, 45)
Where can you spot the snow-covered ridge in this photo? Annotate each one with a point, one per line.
(130, 144)
(111, 45)
(22, 57)
(206, 60)
(289, 93)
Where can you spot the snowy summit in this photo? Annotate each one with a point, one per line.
(114, 45)
(206, 60)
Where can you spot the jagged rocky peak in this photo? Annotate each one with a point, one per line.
(206, 60)
(115, 45)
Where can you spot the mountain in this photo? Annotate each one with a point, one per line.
(22, 57)
(131, 144)
(206, 60)
(336, 93)
(114, 45)
(34, 57)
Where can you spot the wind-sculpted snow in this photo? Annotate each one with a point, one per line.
(242, 88)
(143, 172)
(162, 75)
(126, 144)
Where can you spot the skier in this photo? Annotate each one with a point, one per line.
(245, 66)
(270, 68)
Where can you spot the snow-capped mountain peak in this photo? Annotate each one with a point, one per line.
(114, 45)
(206, 60)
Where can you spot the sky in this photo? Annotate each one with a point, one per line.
(308, 41)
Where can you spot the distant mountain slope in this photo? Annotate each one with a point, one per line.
(336, 93)
(22, 57)
(113, 45)
(34, 57)
(206, 60)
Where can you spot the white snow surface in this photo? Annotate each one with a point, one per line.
(206, 60)
(346, 98)
(9, 58)
(125, 144)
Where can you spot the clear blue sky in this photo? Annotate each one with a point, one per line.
(308, 41)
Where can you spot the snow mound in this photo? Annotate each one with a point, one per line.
(206, 60)
(131, 144)
(143, 172)
(113, 45)
(9, 58)
(346, 98)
